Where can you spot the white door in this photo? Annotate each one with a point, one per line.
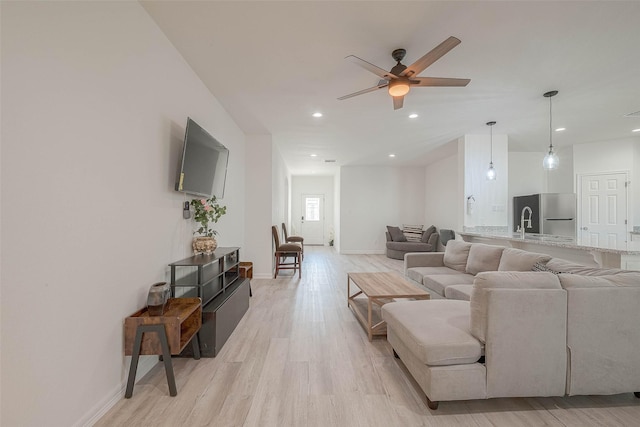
(603, 213)
(312, 219)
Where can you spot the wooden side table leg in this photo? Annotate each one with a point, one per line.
(348, 289)
(166, 357)
(133, 368)
(166, 354)
(369, 319)
(195, 344)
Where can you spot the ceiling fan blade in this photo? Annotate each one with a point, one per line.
(439, 81)
(431, 57)
(361, 92)
(397, 102)
(370, 67)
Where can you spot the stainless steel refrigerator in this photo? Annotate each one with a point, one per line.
(551, 213)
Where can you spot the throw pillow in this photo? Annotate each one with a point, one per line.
(483, 258)
(413, 233)
(396, 234)
(456, 254)
(427, 233)
(518, 260)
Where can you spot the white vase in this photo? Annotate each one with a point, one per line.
(204, 245)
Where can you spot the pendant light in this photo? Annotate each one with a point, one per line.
(491, 172)
(550, 161)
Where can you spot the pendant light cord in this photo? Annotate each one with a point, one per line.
(550, 127)
(491, 130)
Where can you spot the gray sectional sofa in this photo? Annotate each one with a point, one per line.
(570, 330)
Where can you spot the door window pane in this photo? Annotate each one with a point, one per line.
(312, 209)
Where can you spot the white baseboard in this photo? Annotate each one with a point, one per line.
(97, 411)
(364, 252)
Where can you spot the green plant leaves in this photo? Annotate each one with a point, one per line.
(207, 211)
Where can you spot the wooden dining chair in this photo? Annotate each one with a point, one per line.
(284, 251)
(293, 239)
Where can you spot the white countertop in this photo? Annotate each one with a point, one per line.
(625, 248)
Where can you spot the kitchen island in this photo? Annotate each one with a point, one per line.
(625, 255)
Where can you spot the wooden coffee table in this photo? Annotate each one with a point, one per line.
(379, 288)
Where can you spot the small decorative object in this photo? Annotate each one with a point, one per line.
(204, 245)
(206, 211)
(157, 298)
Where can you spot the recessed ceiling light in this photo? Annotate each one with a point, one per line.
(314, 155)
(560, 129)
(317, 114)
(413, 115)
(392, 155)
(636, 130)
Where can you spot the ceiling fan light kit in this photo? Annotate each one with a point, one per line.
(550, 161)
(399, 80)
(398, 87)
(491, 172)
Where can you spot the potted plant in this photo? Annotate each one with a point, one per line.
(206, 212)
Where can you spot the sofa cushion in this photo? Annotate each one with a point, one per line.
(436, 332)
(426, 234)
(459, 292)
(413, 233)
(456, 254)
(563, 266)
(575, 281)
(410, 246)
(439, 282)
(518, 260)
(418, 273)
(396, 234)
(483, 258)
(486, 281)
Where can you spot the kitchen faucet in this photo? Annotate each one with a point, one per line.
(522, 220)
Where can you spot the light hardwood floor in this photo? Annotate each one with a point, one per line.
(300, 358)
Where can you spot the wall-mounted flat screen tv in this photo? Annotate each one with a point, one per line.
(203, 170)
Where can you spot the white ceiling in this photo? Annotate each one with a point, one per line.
(272, 64)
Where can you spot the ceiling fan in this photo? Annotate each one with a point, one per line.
(400, 79)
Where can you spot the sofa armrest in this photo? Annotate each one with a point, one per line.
(423, 259)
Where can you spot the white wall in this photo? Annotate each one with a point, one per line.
(280, 197)
(490, 206)
(95, 100)
(606, 156)
(372, 197)
(442, 194)
(561, 180)
(312, 185)
(337, 208)
(258, 196)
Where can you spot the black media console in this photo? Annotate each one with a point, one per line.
(216, 280)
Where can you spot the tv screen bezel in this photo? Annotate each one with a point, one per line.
(181, 171)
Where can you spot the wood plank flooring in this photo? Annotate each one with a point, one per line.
(300, 358)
